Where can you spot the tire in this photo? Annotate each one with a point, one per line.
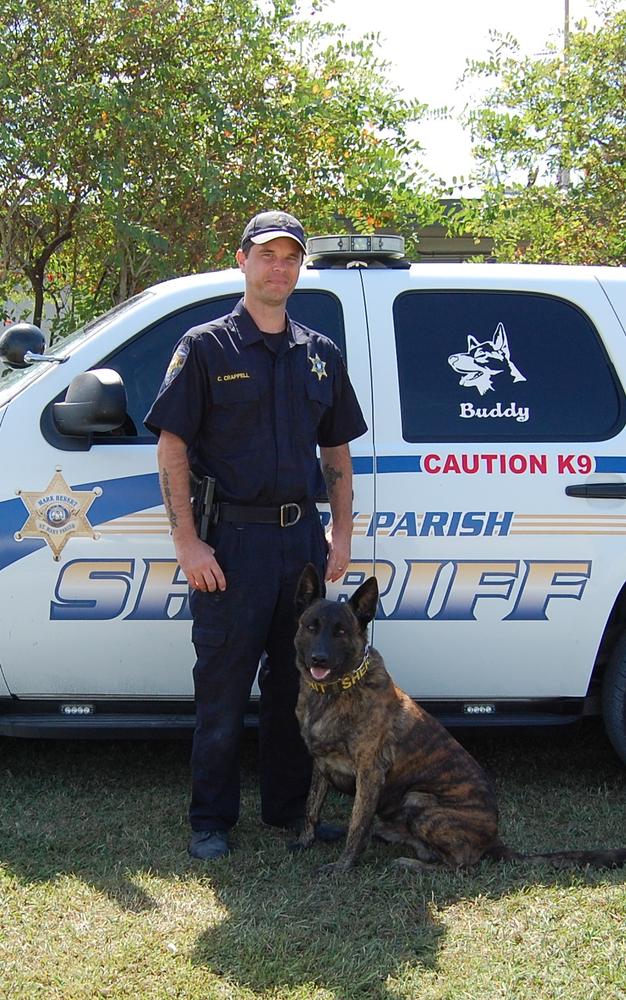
(614, 698)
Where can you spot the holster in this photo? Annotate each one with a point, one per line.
(203, 503)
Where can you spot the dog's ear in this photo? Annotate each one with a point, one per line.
(364, 601)
(308, 589)
(500, 341)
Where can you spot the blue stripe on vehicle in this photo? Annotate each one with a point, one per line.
(610, 463)
(398, 463)
(130, 494)
(13, 516)
(364, 465)
(122, 496)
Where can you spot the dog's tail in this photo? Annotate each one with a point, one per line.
(561, 859)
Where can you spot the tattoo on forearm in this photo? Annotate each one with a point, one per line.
(167, 499)
(332, 477)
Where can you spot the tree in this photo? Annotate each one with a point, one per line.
(551, 145)
(136, 137)
(44, 173)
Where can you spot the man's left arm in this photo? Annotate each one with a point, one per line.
(337, 469)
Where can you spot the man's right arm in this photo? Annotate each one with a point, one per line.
(195, 557)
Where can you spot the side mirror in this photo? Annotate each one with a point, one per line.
(95, 402)
(18, 340)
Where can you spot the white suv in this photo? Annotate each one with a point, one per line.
(489, 494)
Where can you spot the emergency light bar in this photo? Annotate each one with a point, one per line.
(390, 247)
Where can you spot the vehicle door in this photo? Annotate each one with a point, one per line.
(95, 602)
(494, 394)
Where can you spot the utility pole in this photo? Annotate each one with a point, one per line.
(563, 180)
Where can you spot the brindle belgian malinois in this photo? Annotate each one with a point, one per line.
(369, 739)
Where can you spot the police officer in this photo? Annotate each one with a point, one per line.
(246, 400)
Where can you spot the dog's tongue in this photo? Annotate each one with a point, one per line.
(318, 674)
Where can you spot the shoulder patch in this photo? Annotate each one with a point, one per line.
(178, 360)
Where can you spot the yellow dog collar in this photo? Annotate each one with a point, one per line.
(344, 683)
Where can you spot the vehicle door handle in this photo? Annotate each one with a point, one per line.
(598, 491)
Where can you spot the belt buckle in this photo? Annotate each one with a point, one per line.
(285, 517)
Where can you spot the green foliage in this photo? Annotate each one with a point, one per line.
(550, 138)
(137, 136)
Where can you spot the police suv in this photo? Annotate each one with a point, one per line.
(489, 494)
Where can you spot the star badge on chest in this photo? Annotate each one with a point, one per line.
(318, 367)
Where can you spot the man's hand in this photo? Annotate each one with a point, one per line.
(339, 544)
(195, 558)
(198, 563)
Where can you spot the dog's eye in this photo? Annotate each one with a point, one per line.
(339, 630)
(312, 627)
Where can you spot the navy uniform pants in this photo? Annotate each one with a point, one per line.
(231, 630)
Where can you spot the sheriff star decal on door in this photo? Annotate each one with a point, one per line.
(57, 514)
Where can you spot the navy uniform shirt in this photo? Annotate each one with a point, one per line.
(252, 417)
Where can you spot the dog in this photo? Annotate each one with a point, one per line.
(368, 739)
(482, 362)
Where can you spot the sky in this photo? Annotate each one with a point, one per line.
(428, 41)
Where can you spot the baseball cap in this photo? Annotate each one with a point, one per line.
(268, 226)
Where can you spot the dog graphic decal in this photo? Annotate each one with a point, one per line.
(484, 361)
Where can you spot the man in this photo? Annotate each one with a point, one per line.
(246, 400)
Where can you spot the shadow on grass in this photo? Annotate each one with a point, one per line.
(353, 935)
(105, 813)
(292, 929)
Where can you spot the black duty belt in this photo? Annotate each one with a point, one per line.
(286, 515)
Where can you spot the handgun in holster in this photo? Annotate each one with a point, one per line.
(204, 505)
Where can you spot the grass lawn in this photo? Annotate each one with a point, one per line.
(99, 899)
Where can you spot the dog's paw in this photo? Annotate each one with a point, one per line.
(300, 845)
(413, 865)
(335, 868)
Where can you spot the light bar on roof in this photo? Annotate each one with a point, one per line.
(349, 245)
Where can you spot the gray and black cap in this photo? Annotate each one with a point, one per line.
(268, 226)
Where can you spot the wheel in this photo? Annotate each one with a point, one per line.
(614, 698)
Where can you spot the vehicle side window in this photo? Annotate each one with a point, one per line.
(502, 366)
(142, 362)
(322, 312)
